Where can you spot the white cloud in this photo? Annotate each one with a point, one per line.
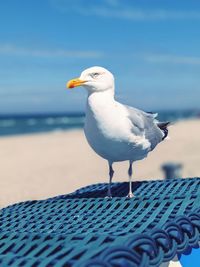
(122, 10)
(10, 49)
(172, 59)
(139, 14)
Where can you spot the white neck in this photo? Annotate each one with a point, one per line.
(102, 96)
(109, 94)
(100, 100)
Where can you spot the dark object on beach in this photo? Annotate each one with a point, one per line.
(85, 229)
(172, 170)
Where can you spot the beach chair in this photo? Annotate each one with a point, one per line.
(161, 223)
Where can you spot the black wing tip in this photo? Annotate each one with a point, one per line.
(163, 126)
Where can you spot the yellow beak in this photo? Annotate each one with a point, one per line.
(74, 83)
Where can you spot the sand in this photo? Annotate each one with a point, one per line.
(44, 165)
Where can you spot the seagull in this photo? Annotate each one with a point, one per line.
(115, 131)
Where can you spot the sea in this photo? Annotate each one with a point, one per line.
(19, 124)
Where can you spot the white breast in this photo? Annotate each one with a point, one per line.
(108, 129)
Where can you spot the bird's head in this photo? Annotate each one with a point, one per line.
(94, 79)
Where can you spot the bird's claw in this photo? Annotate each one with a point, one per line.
(108, 197)
(130, 195)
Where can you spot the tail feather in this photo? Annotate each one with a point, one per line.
(163, 127)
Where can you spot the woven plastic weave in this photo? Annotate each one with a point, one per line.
(86, 229)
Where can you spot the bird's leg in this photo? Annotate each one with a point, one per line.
(130, 172)
(111, 173)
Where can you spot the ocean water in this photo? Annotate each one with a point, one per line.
(27, 124)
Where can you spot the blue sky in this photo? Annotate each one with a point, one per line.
(152, 47)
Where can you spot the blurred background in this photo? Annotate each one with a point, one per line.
(152, 48)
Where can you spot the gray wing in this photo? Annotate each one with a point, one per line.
(145, 124)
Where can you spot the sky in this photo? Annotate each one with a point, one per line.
(151, 47)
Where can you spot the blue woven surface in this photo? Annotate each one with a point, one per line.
(85, 229)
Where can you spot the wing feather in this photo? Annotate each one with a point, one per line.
(144, 123)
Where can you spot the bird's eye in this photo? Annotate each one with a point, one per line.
(95, 75)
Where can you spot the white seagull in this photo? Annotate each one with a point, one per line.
(115, 131)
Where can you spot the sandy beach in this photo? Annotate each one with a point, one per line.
(45, 165)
